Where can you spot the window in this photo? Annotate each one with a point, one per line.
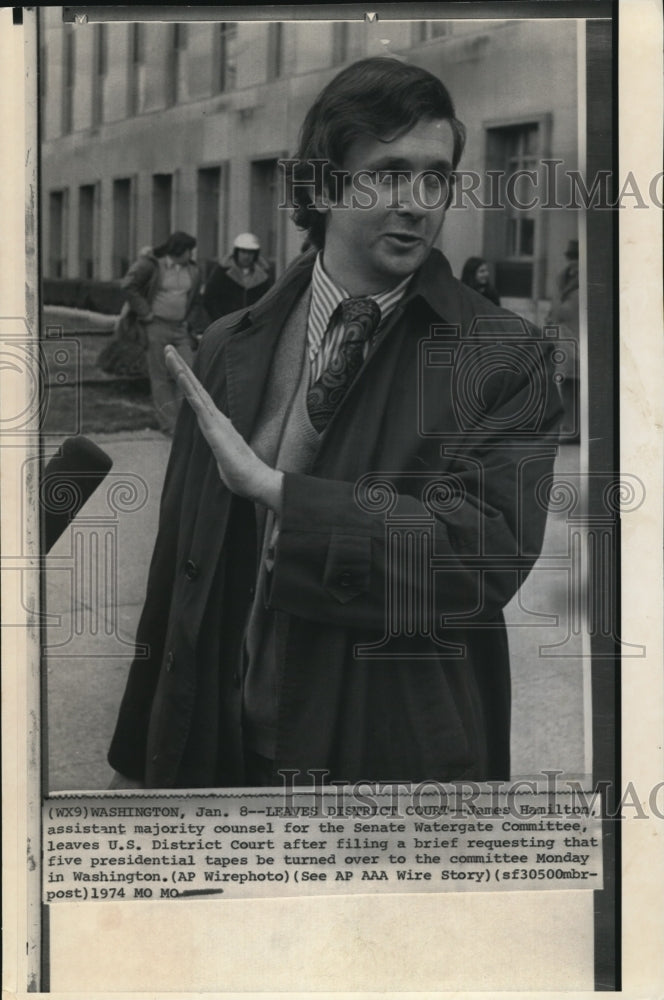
(209, 213)
(162, 200)
(58, 218)
(426, 31)
(520, 149)
(99, 69)
(225, 60)
(275, 50)
(69, 56)
(511, 236)
(87, 230)
(177, 85)
(137, 72)
(208, 228)
(123, 218)
(339, 42)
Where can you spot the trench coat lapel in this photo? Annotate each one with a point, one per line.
(250, 350)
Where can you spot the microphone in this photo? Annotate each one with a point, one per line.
(69, 480)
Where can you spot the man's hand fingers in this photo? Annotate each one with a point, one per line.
(239, 467)
(197, 396)
(215, 425)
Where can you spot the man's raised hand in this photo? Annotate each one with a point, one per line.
(240, 468)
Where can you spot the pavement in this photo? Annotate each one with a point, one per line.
(95, 586)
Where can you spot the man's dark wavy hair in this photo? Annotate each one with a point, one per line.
(378, 97)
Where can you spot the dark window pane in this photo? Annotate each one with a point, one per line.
(227, 39)
(527, 237)
(530, 139)
(514, 279)
(512, 237)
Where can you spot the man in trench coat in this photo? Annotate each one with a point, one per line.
(329, 596)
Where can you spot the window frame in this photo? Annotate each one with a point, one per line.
(276, 51)
(68, 79)
(99, 71)
(340, 42)
(491, 220)
(62, 263)
(135, 63)
(225, 37)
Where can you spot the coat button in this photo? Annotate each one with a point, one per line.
(191, 570)
(252, 591)
(237, 680)
(345, 579)
(169, 660)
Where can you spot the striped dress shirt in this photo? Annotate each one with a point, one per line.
(325, 330)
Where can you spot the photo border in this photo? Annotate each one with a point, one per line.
(606, 755)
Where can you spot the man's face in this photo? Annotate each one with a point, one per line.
(370, 249)
(245, 258)
(183, 258)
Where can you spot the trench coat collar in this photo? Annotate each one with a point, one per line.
(435, 283)
(250, 350)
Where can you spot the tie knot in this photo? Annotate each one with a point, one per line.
(361, 317)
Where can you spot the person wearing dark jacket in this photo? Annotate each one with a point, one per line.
(353, 494)
(239, 281)
(475, 274)
(162, 292)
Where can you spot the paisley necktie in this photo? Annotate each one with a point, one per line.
(360, 319)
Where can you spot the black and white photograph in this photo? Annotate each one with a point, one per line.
(322, 488)
(170, 160)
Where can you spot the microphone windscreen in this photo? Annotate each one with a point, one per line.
(69, 480)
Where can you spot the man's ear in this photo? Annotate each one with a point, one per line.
(324, 199)
(334, 190)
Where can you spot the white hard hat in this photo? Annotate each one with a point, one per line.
(246, 241)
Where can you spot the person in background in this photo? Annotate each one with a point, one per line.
(239, 281)
(162, 288)
(475, 274)
(564, 313)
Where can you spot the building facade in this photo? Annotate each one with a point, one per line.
(148, 127)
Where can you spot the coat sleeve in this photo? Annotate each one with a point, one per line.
(479, 529)
(135, 285)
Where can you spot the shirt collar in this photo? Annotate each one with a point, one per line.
(434, 284)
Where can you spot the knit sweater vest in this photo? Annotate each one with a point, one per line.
(285, 439)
